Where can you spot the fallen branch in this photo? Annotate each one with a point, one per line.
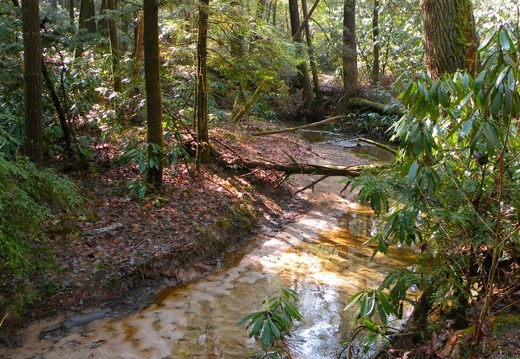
(292, 129)
(291, 169)
(311, 185)
(248, 104)
(78, 321)
(357, 103)
(378, 144)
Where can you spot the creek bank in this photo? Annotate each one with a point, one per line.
(169, 239)
(125, 339)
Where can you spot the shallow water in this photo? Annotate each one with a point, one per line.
(322, 255)
(198, 320)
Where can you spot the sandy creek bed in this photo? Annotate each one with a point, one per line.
(320, 255)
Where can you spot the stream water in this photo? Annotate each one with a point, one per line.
(322, 255)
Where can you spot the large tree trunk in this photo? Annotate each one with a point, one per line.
(303, 72)
(114, 47)
(450, 38)
(33, 81)
(350, 70)
(153, 90)
(201, 99)
(87, 14)
(87, 21)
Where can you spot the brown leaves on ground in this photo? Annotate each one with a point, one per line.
(124, 249)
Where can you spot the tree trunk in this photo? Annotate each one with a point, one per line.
(376, 45)
(72, 14)
(87, 21)
(103, 26)
(114, 46)
(153, 91)
(87, 14)
(450, 38)
(201, 97)
(59, 109)
(138, 47)
(350, 70)
(33, 81)
(303, 72)
(314, 70)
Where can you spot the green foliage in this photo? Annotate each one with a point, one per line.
(399, 40)
(149, 156)
(28, 198)
(454, 188)
(273, 323)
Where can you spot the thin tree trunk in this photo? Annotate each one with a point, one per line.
(33, 81)
(201, 96)
(303, 72)
(274, 12)
(314, 70)
(376, 45)
(350, 70)
(72, 14)
(153, 91)
(59, 109)
(138, 47)
(114, 47)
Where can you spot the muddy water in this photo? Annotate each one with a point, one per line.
(321, 255)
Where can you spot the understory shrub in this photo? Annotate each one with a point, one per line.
(28, 198)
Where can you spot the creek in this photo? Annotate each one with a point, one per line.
(322, 255)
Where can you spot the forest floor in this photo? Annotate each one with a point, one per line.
(121, 251)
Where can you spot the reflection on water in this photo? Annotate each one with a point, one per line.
(198, 320)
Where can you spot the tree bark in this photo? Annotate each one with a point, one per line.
(72, 14)
(153, 90)
(308, 37)
(138, 48)
(103, 26)
(303, 72)
(305, 169)
(350, 70)
(292, 129)
(450, 38)
(114, 47)
(87, 13)
(33, 81)
(201, 98)
(376, 45)
(59, 109)
(87, 21)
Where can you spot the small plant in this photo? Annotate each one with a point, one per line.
(377, 306)
(271, 325)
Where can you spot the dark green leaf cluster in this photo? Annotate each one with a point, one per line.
(274, 322)
(28, 198)
(453, 192)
